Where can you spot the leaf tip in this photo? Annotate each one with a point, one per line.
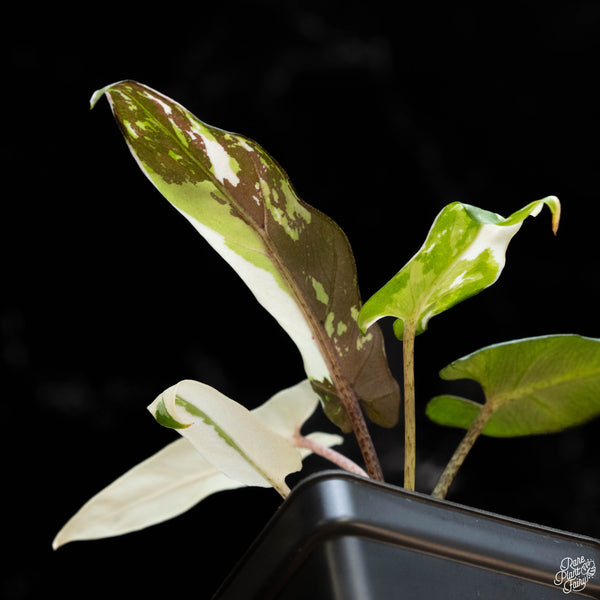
(99, 93)
(556, 209)
(163, 417)
(58, 541)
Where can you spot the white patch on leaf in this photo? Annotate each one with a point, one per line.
(494, 238)
(166, 108)
(245, 145)
(458, 281)
(275, 299)
(220, 161)
(161, 487)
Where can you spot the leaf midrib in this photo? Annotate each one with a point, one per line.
(538, 389)
(325, 345)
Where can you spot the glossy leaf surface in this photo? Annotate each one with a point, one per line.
(296, 261)
(177, 477)
(536, 385)
(465, 252)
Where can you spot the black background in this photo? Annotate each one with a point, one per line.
(380, 119)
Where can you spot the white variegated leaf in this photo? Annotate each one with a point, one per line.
(227, 435)
(288, 410)
(177, 477)
(163, 486)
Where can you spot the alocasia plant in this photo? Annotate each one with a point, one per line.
(299, 265)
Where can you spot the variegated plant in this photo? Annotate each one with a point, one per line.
(223, 446)
(296, 261)
(299, 265)
(465, 252)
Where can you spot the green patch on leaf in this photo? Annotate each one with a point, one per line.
(196, 412)
(164, 418)
(322, 295)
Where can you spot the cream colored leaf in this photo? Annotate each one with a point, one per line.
(228, 436)
(159, 488)
(178, 477)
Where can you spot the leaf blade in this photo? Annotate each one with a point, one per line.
(229, 437)
(535, 386)
(159, 488)
(177, 477)
(464, 253)
(296, 261)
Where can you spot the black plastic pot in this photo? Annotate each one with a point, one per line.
(339, 536)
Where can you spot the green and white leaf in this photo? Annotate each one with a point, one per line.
(296, 261)
(227, 435)
(177, 477)
(465, 252)
(532, 386)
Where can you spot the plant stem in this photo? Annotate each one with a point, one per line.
(408, 353)
(359, 426)
(283, 490)
(447, 477)
(328, 453)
